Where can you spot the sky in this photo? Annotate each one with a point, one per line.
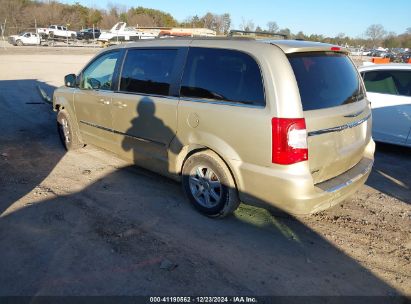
(327, 17)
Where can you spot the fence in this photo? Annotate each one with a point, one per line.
(17, 30)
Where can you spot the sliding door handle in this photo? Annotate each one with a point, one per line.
(104, 101)
(119, 104)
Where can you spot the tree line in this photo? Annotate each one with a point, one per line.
(21, 15)
(375, 36)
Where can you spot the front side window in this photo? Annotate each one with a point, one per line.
(388, 82)
(224, 75)
(148, 71)
(99, 74)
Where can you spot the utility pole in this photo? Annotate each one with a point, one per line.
(94, 37)
(3, 29)
(35, 31)
(67, 40)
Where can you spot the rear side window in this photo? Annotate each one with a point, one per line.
(148, 71)
(325, 79)
(224, 75)
(388, 82)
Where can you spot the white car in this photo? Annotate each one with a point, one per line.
(25, 39)
(389, 91)
(355, 52)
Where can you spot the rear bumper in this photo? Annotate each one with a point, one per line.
(291, 189)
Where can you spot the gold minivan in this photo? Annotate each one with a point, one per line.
(280, 122)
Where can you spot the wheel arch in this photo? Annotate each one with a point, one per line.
(192, 149)
(62, 102)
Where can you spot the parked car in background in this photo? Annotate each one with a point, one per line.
(389, 91)
(393, 56)
(355, 51)
(57, 31)
(27, 38)
(366, 52)
(377, 53)
(88, 34)
(274, 122)
(406, 57)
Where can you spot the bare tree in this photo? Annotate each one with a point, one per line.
(272, 27)
(376, 33)
(218, 24)
(286, 31)
(11, 10)
(140, 20)
(391, 40)
(247, 25)
(3, 28)
(110, 18)
(226, 23)
(301, 36)
(340, 38)
(208, 20)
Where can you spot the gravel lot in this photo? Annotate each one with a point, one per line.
(87, 223)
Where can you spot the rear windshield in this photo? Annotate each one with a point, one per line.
(326, 79)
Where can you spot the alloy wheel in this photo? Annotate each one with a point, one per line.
(205, 186)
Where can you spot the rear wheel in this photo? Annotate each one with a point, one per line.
(67, 132)
(209, 185)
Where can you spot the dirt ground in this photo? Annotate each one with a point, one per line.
(87, 223)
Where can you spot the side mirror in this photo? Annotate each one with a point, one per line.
(70, 80)
(94, 83)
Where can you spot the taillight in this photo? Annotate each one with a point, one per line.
(289, 140)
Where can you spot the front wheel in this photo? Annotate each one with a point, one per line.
(19, 43)
(67, 132)
(209, 185)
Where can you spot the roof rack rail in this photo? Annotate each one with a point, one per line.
(232, 32)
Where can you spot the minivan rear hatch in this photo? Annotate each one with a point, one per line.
(337, 114)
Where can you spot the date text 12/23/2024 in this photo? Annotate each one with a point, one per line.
(203, 300)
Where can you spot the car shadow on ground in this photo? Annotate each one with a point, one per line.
(28, 149)
(389, 176)
(113, 238)
(131, 232)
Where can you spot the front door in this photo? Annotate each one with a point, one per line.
(92, 101)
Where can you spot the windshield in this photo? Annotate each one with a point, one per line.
(326, 79)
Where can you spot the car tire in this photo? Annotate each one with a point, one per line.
(19, 43)
(209, 185)
(68, 133)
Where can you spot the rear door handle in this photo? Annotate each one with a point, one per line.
(120, 104)
(104, 101)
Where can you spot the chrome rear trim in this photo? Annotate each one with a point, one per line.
(340, 128)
